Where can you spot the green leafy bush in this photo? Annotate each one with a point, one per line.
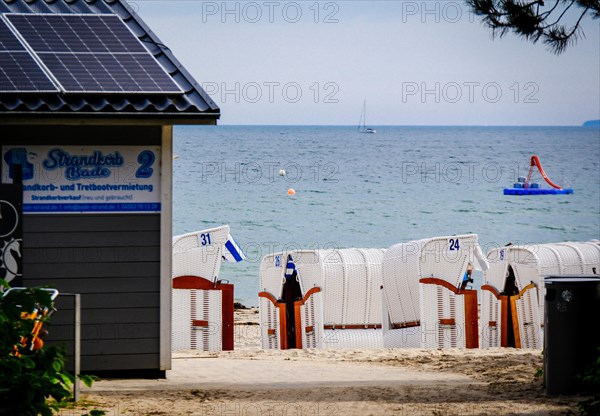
(33, 381)
(591, 379)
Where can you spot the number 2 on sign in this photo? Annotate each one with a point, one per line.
(146, 160)
(454, 246)
(205, 239)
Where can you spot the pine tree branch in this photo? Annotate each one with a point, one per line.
(561, 15)
(533, 23)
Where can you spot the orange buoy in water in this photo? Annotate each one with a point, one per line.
(291, 191)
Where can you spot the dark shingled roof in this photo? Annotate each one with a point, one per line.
(194, 106)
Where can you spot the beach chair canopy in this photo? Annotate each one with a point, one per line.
(349, 280)
(404, 264)
(200, 253)
(202, 308)
(515, 281)
(531, 263)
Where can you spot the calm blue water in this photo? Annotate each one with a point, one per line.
(364, 190)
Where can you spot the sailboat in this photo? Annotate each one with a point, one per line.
(362, 128)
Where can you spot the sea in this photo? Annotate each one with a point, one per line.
(375, 190)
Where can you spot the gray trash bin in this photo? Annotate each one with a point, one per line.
(571, 335)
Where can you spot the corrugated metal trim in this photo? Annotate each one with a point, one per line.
(194, 101)
(100, 103)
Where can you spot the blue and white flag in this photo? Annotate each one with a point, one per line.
(290, 266)
(232, 252)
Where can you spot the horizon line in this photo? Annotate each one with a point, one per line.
(400, 125)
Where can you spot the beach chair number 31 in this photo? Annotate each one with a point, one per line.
(205, 239)
(454, 246)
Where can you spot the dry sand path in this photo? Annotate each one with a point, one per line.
(251, 381)
(250, 374)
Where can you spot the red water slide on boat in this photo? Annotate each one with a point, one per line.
(535, 161)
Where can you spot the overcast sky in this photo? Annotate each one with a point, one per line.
(414, 62)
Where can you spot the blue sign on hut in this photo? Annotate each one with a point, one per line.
(88, 100)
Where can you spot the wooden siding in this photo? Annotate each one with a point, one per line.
(117, 273)
(112, 260)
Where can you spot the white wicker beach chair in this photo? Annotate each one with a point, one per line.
(197, 309)
(272, 277)
(493, 320)
(352, 305)
(530, 264)
(425, 306)
(341, 306)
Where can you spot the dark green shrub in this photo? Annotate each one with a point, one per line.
(591, 379)
(31, 382)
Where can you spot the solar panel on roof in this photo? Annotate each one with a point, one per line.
(106, 72)
(19, 72)
(93, 54)
(8, 41)
(76, 33)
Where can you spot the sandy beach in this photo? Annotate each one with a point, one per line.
(252, 381)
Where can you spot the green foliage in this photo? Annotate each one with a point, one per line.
(591, 379)
(32, 382)
(88, 380)
(539, 372)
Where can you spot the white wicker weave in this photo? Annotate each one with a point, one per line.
(529, 320)
(181, 327)
(373, 309)
(199, 253)
(272, 272)
(334, 287)
(401, 271)
(403, 338)
(437, 303)
(311, 273)
(531, 263)
(352, 338)
(191, 305)
(404, 264)
(208, 308)
(490, 324)
(269, 325)
(498, 261)
(349, 280)
(311, 314)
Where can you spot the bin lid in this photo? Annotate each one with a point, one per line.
(572, 279)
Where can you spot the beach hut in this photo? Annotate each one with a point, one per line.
(512, 301)
(425, 303)
(202, 314)
(91, 132)
(321, 299)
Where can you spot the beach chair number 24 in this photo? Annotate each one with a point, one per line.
(454, 245)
